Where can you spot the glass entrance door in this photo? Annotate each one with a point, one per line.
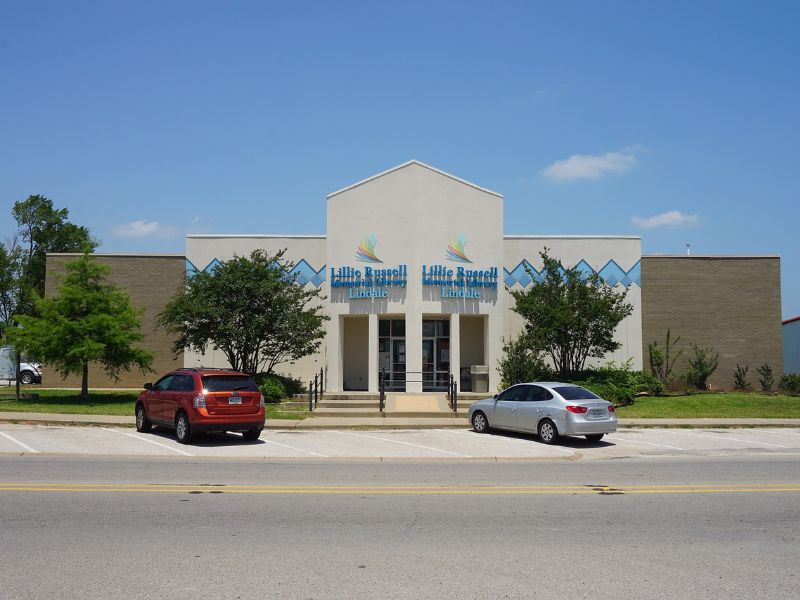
(435, 354)
(392, 352)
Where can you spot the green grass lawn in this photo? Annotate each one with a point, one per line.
(101, 403)
(721, 405)
(68, 402)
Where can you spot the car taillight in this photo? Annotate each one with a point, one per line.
(199, 401)
(611, 408)
(261, 400)
(577, 409)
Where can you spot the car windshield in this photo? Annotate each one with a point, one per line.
(576, 392)
(229, 383)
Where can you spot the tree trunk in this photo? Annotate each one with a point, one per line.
(85, 383)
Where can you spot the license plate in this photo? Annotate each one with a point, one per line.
(598, 412)
(235, 400)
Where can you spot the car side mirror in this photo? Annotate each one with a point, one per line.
(495, 396)
(148, 386)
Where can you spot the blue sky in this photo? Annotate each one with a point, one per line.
(677, 121)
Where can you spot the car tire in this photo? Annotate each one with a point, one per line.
(595, 437)
(143, 424)
(26, 377)
(251, 435)
(183, 429)
(548, 433)
(480, 423)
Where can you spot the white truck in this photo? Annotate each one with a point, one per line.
(29, 371)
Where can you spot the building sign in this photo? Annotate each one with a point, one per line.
(368, 282)
(459, 282)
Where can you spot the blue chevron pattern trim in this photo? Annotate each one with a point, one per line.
(302, 272)
(611, 273)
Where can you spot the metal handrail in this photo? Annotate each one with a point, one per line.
(315, 389)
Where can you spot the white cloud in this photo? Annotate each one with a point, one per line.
(144, 229)
(591, 166)
(671, 218)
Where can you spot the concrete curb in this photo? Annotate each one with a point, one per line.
(319, 423)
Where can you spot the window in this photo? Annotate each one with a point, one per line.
(177, 383)
(575, 392)
(398, 328)
(163, 383)
(229, 383)
(539, 394)
(518, 392)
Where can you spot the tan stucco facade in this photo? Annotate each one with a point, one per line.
(421, 223)
(731, 304)
(150, 281)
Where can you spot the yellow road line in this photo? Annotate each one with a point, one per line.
(402, 490)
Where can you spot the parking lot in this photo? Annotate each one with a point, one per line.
(396, 444)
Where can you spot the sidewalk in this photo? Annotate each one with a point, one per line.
(384, 422)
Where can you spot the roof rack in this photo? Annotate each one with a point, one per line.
(195, 369)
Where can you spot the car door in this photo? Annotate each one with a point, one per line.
(533, 407)
(505, 407)
(173, 395)
(155, 401)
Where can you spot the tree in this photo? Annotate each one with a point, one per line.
(89, 320)
(570, 316)
(520, 363)
(40, 229)
(251, 310)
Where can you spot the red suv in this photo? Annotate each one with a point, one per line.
(193, 400)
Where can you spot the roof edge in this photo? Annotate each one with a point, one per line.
(792, 320)
(313, 236)
(117, 254)
(706, 256)
(414, 161)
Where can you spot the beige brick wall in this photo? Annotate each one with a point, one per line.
(150, 280)
(732, 304)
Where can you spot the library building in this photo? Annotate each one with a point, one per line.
(416, 272)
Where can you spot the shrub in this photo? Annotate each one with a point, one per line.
(662, 360)
(740, 378)
(521, 363)
(273, 390)
(616, 394)
(620, 385)
(790, 383)
(290, 385)
(766, 380)
(700, 366)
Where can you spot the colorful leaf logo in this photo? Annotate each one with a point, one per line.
(455, 251)
(366, 250)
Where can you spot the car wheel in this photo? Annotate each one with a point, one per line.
(183, 430)
(548, 432)
(480, 423)
(143, 424)
(252, 435)
(595, 437)
(26, 377)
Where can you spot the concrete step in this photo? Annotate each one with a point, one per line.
(364, 404)
(358, 413)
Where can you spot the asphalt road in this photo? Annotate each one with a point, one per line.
(645, 527)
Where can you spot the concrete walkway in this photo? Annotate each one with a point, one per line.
(385, 422)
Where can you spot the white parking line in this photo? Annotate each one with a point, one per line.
(16, 441)
(144, 439)
(375, 437)
(293, 448)
(722, 437)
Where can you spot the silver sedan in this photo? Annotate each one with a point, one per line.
(550, 409)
